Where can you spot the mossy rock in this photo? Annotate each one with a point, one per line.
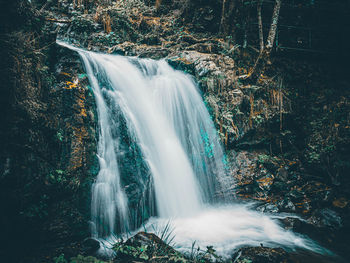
(146, 247)
(89, 259)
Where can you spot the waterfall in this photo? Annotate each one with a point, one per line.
(167, 119)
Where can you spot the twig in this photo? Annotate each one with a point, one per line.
(53, 20)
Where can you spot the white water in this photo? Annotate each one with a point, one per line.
(227, 228)
(170, 123)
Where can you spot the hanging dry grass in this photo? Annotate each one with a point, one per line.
(77, 3)
(251, 115)
(107, 25)
(102, 16)
(279, 100)
(158, 3)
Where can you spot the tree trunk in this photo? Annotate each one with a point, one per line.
(264, 54)
(260, 24)
(222, 22)
(227, 17)
(273, 27)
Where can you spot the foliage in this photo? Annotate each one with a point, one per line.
(81, 24)
(59, 135)
(110, 39)
(78, 259)
(270, 162)
(57, 177)
(125, 251)
(60, 259)
(263, 158)
(203, 256)
(258, 119)
(166, 234)
(82, 259)
(145, 247)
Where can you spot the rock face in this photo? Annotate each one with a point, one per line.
(48, 147)
(261, 255)
(145, 247)
(91, 245)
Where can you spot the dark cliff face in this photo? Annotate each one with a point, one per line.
(48, 143)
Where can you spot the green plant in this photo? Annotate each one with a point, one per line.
(82, 259)
(80, 24)
(59, 135)
(263, 158)
(57, 177)
(165, 233)
(203, 256)
(127, 251)
(258, 119)
(60, 259)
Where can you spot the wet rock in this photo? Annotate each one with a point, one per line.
(151, 40)
(249, 189)
(282, 174)
(261, 255)
(218, 69)
(279, 187)
(326, 218)
(146, 247)
(291, 223)
(188, 38)
(154, 53)
(286, 205)
(91, 245)
(268, 208)
(143, 239)
(296, 194)
(265, 182)
(311, 257)
(340, 202)
(244, 165)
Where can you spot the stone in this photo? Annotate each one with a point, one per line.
(268, 208)
(326, 218)
(261, 255)
(146, 247)
(282, 174)
(91, 245)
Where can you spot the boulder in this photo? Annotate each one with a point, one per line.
(261, 255)
(91, 245)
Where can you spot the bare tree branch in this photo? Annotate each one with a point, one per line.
(54, 20)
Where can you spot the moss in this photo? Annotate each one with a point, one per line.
(85, 259)
(81, 24)
(60, 259)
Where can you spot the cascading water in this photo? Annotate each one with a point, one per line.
(166, 114)
(168, 120)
